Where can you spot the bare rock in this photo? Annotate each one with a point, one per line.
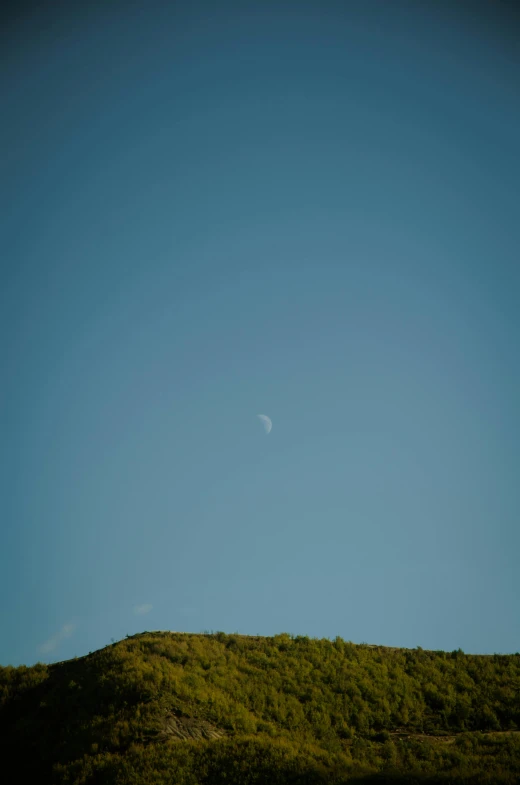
(186, 728)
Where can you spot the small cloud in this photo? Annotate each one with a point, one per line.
(144, 608)
(52, 643)
(49, 645)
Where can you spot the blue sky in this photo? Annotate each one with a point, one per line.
(308, 211)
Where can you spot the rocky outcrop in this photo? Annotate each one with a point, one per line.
(185, 728)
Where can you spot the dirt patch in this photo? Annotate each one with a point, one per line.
(448, 739)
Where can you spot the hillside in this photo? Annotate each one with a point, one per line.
(164, 708)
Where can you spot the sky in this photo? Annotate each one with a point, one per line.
(211, 211)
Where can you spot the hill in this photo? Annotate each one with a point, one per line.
(168, 708)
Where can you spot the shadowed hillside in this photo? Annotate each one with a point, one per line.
(168, 708)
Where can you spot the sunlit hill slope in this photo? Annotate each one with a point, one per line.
(168, 708)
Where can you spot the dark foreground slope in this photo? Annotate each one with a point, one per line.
(168, 708)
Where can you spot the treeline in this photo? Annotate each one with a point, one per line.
(294, 710)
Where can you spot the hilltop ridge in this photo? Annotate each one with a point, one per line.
(187, 708)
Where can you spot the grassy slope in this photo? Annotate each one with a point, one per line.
(294, 710)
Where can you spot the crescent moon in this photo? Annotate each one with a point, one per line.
(266, 422)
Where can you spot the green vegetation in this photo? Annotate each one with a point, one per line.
(262, 711)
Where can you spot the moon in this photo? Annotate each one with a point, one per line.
(266, 422)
